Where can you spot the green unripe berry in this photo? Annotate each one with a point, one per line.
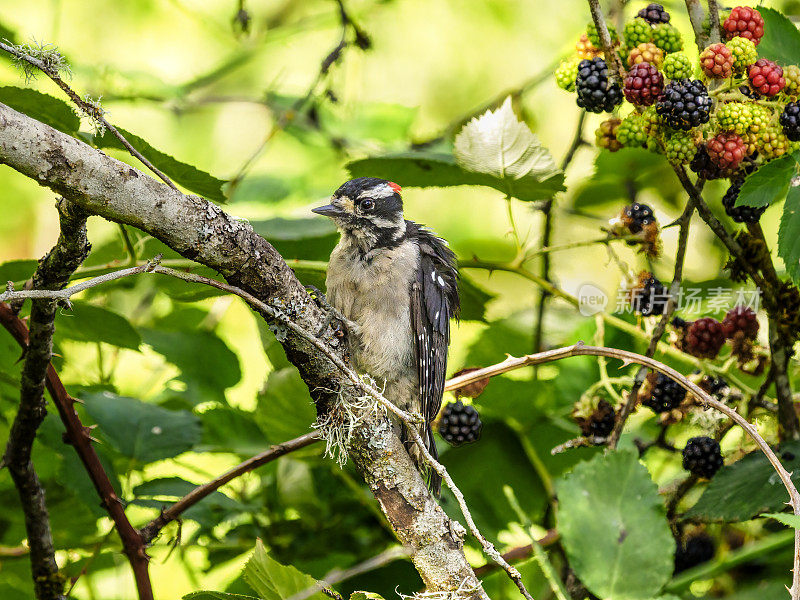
(744, 53)
(792, 76)
(668, 38)
(677, 66)
(566, 73)
(637, 32)
(631, 131)
(734, 116)
(594, 36)
(679, 147)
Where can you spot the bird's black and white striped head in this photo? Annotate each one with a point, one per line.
(370, 210)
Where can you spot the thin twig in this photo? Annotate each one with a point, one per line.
(89, 108)
(338, 575)
(713, 20)
(697, 16)
(519, 553)
(151, 530)
(605, 40)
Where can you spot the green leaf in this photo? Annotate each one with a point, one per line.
(306, 239)
(359, 595)
(612, 501)
(89, 323)
(498, 144)
(747, 488)
(782, 40)
(217, 596)
(426, 169)
(473, 300)
(285, 409)
(17, 270)
(141, 431)
(273, 581)
(227, 429)
(210, 511)
(785, 518)
(51, 111)
(192, 178)
(769, 183)
(789, 234)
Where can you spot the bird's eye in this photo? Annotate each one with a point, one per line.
(366, 205)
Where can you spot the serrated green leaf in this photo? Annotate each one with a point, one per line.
(498, 144)
(785, 518)
(359, 595)
(217, 596)
(426, 169)
(631, 549)
(140, 431)
(769, 183)
(50, 111)
(782, 40)
(91, 324)
(747, 488)
(193, 179)
(285, 409)
(273, 581)
(789, 234)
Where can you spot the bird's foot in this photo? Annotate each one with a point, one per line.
(332, 315)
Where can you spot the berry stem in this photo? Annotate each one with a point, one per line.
(605, 39)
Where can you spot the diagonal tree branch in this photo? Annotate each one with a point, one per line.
(53, 272)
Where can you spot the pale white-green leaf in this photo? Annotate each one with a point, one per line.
(498, 144)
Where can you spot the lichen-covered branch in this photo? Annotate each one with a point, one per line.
(53, 273)
(201, 231)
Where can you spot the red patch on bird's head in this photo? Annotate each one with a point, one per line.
(397, 189)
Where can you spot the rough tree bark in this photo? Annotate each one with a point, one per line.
(201, 231)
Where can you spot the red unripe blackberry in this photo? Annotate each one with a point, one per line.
(654, 14)
(695, 550)
(702, 457)
(726, 150)
(717, 61)
(684, 104)
(790, 121)
(635, 216)
(740, 319)
(596, 91)
(704, 338)
(740, 214)
(744, 22)
(643, 85)
(460, 424)
(666, 394)
(766, 77)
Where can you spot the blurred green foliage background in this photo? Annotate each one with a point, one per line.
(183, 75)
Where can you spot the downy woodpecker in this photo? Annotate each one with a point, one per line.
(396, 284)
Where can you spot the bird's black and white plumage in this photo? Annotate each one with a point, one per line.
(397, 284)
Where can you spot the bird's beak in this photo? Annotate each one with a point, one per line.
(329, 210)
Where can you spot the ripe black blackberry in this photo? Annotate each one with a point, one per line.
(790, 121)
(704, 338)
(740, 214)
(637, 215)
(665, 393)
(599, 422)
(596, 91)
(702, 457)
(460, 424)
(704, 166)
(654, 14)
(716, 386)
(650, 296)
(695, 550)
(684, 104)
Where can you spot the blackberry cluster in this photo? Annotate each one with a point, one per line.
(744, 22)
(695, 550)
(677, 66)
(726, 150)
(790, 121)
(665, 394)
(606, 135)
(460, 424)
(716, 386)
(566, 73)
(704, 338)
(740, 319)
(766, 77)
(654, 14)
(668, 38)
(744, 53)
(643, 84)
(684, 104)
(637, 31)
(792, 76)
(594, 36)
(631, 132)
(704, 167)
(597, 422)
(735, 117)
(648, 52)
(650, 296)
(740, 214)
(702, 457)
(596, 93)
(679, 147)
(635, 216)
